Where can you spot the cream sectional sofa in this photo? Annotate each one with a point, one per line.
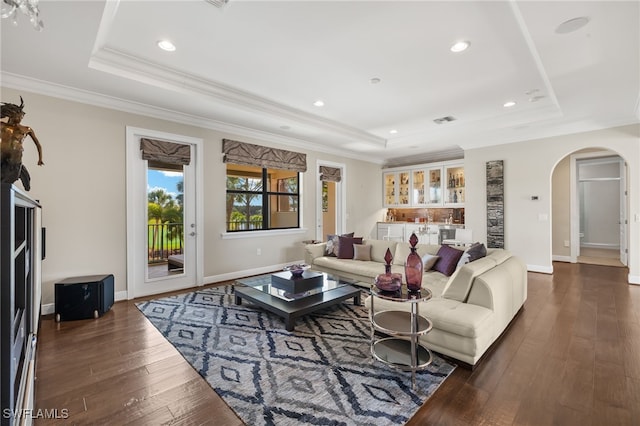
(469, 310)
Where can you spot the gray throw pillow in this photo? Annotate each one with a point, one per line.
(476, 251)
(361, 252)
(428, 260)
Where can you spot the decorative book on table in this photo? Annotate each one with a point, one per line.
(298, 284)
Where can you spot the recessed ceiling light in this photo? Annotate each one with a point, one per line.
(375, 80)
(166, 45)
(509, 104)
(318, 103)
(572, 25)
(285, 127)
(393, 132)
(460, 46)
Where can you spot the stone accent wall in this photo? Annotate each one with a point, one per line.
(495, 204)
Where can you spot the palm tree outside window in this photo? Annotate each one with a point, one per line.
(261, 198)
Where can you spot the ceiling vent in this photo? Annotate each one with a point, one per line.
(443, 120)
(218, 3)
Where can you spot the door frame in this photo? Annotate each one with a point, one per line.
(135, 209)
(341, 199)
(574, 201)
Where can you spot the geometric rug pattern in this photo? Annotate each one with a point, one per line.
(322, 373)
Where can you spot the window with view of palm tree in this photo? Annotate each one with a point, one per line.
(261, 198)
(165, 223)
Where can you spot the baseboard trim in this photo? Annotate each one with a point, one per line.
(212, 279)
(566, 259)
(634, 279)
(50, 308)
(540, 269)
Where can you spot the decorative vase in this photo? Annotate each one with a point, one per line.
(388, 281)
(413, 267)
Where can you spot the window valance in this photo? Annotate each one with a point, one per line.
(330, 174)
(255, 155)
(165, 152)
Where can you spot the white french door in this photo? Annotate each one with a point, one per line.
(164, 251)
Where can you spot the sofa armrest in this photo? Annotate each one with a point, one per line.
(503, 288)
(313, 251)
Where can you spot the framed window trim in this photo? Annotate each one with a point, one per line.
(230, 235)
(268, 198)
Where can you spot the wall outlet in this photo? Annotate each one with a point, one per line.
(567, 243)
(259, 251)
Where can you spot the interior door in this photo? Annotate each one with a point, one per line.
(163, 245)
(330, 203)
(623, 212)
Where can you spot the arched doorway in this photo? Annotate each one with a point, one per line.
(589, 208)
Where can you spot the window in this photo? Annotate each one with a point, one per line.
(260, 198)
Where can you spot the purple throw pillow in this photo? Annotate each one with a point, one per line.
(346, 247)
(448, 261)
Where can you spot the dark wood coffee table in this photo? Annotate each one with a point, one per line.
(259, 291)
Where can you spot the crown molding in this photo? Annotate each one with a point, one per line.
(18, 82)
(120, 64)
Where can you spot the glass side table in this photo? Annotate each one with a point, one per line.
(400, 348)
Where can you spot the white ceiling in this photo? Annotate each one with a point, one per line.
(256, 67)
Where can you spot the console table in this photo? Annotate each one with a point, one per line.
(400, 348)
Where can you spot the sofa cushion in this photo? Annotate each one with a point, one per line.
(346, 246)
(333, 244)
(448, 261)
(459, 285)
(460, 319)
(434, 281)
(361, 252)
(365, 268)
(403, 250)
(379, 248)
(499, 255)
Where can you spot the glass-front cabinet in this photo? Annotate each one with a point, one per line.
(435, 184)
(418, 196)
(389, 183)
(403, 189)
(454, 193)
(396, 188)
(427, 187)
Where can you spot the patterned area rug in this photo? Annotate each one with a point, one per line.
(320, 374)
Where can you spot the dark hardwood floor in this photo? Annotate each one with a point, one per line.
(571, 357)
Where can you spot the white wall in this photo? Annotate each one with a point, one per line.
(82, 189)
(561, 210)
(528, 168)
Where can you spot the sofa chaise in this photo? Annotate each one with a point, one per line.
(470, 309)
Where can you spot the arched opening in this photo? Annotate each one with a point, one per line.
(589, 208)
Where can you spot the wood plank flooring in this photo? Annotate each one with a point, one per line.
(571, 357)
